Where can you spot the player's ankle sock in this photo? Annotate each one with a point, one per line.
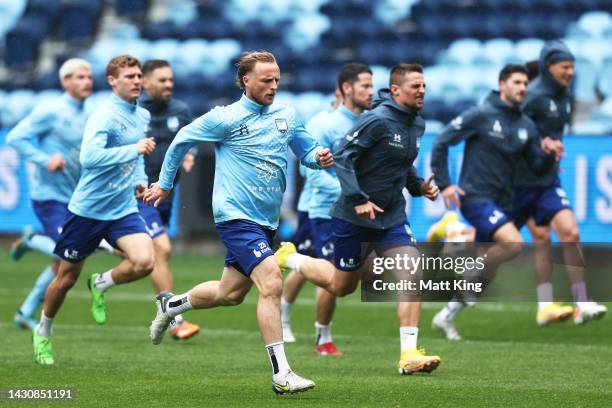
(106, 246)
(37, 295)
(545, 294)
(294, 261)
(323, 333)
(408, 337)
(178, 304)
(44, 327)
(278, 360)
(42, 243)
(285, 311)
(580, 293)
(453, 308)
(104, 281)
(178, 319)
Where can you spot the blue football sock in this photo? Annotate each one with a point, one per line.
(37, 295)
(43, 244)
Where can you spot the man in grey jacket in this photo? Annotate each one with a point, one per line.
(374, 164)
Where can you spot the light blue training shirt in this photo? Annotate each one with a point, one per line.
(251, 143)
(324, 185)
(53, 127)
(111, 164)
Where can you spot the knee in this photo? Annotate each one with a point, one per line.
(272, 286)
(234, 298)
(541, 235)
(570, 235)
(143, 265)
(163, 250)
(344, 290)
(66, 281)
(516, 248)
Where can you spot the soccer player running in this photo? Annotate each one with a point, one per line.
(373, 165)
(541, 202)
(251, 139)
(168, 115)
(302, 238)
(50, 138)
(103, 205)
(496, 135)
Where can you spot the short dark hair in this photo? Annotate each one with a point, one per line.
(533, 69)
(510, 69)
(400, 70)
(121, 61)
(151, 65)
(247, 63)
(350, 73)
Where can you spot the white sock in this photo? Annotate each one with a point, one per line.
(453, 308)
(106, 246)
(43, 244)
(178, 319)
(545, 294)
(285, 312)
(323, 333)
(45, 326)
(294, 261)
(278, 360)
(179, 304)
(104, 281)
(408, 337)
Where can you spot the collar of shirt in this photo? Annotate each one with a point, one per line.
(344, 111)
(123, 104)
(75, 103)
(253, 106)
(495, 100)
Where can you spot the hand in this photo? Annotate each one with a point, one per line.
(325, 158)
(368, 210)
(451, 196)
(550, 145)
(145, 146)
(188, 162)
(429, 189)
(140, 190)
(56, 163)
(155, 194)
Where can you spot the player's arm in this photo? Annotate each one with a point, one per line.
(209, 127)
(307, 150)
(541, 153)
(24, 139)
(459, 129)
(323, 181)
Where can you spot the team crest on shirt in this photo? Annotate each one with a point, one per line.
(281, 125)
(522, 134)
(553, 106)
(173, 123)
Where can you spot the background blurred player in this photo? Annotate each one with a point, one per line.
(50, 138)
(374, 164)
(302, 238)
(541, 202)
(103, 204)
(168, 115)
(251, 139)
(494, 132)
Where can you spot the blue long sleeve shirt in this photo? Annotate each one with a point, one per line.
(251, 142)
(325, 186)
(55, 127)
(111, 164)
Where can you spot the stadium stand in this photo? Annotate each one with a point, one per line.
(462, 44)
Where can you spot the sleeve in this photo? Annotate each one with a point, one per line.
(24, 137)
(462, 127)
(536, 107)
(323, 180)
(537, 160)
(186, 118)
(304, 146)
(414, 182)
(358, 140)
(141, 175)
(94, 150)
(209, 127)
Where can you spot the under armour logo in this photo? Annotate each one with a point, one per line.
(244, 130)
(397, 138)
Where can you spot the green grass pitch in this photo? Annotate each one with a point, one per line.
(505, 361)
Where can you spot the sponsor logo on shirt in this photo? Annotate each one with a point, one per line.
(522, 134)
(497, 129)
(173, 123)
(266, 171)
(281, 125)
(396, 141)
(352, 137)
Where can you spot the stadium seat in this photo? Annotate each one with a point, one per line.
(595, 22)
(18, 104)
(585, 79)
(79, 19)
(182, 13)
(528, 49)
(461, 52)
(135, 9)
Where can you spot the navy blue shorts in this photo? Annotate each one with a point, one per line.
(486, 217)
(81, 236)
(322, 237)
(247, 244)
(353, 243)
(302, 238)
(52, 215)
(156, 218)
(539, 203)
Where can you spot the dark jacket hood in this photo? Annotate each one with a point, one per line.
(552, 52)
(384, 98)
(494, 99)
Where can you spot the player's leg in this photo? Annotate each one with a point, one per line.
(24, 317)
(565, 226)
(292, 285)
